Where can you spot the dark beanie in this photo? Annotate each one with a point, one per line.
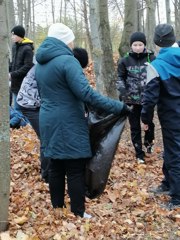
(164, 35)
(19, 31)
(81, 55)
(138, 36)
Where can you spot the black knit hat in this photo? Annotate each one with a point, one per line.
(81, 55)
(138, 36)
(164, 35)
(19, 31)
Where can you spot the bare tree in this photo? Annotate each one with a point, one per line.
(20, 6)
(4, 121)
(168, 12)
(107, 70)
(130, 25)
(158, 14)
(117, 5)
(61, 10)
(52, 10)
(150, 22)
(85, 11)
(97, 52)
(177, 18)
(10, 21)
(27, 15)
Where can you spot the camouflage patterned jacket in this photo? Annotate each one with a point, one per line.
(132, 76)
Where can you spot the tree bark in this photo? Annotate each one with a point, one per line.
(4, 121)
(107, 70)
(87, 27)
(97, 52)
(130, 25)
(150, 22)
(177, 18)
(168, 12)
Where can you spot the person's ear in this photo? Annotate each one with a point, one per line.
(71, 45)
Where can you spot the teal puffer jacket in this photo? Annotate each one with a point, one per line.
(64, 90)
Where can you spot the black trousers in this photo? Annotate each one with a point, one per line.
(74, 169)
(171, 165)
(135, 126)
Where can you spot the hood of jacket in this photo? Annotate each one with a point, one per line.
(25, 41)
(51, 48)
(167, 63)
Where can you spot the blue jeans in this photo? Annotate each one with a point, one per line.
(15, 104)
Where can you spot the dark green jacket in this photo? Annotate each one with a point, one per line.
(64, 89)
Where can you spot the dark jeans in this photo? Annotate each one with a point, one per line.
(74, 169)
(135, 126)
(33, 117)
(171, 166)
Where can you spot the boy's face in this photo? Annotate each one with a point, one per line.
(138, 47)
(16, 38)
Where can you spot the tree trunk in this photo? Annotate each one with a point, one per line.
(20, 6)
(52, 11)
(130, 25)
(60, 11)
(177, 18)
(27, 20)
(97, 52)
(150, 22)
(158, 14)
(87, 28)
(107, 70)
(4, 121)
(168, 12)
(10, 21)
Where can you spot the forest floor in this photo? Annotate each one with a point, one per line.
(126, 209)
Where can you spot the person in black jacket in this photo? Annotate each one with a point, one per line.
(131, 82)
(22, 60)
(163, 90)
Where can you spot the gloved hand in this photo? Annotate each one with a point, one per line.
(126, 110)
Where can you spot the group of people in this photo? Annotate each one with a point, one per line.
(52, 94)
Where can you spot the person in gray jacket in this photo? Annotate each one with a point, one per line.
(64, 133)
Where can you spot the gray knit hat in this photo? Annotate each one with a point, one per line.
(164, 35)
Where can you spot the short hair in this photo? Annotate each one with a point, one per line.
(81, 55)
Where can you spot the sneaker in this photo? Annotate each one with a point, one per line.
(86, 216)
(140, 161)
(161, 189)
(170, 206)
(149, 149)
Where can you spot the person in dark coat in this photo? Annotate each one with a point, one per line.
(64, 132)
(130, 84)
(163, 90)
(22, 60)
(29, 100)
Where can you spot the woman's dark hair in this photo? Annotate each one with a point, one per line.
(81, 55)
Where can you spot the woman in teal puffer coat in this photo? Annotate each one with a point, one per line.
(64, 132)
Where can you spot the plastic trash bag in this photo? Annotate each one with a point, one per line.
(105, 133)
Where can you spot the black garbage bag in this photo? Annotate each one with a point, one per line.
(105, 133)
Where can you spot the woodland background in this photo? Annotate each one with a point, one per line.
(126, 210)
